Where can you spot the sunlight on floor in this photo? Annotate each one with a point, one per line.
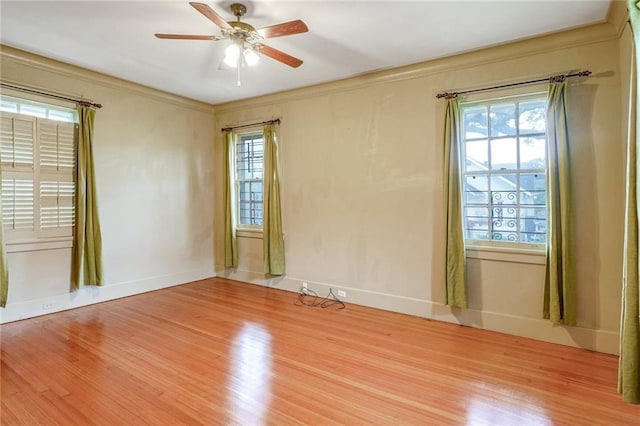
(484, 410)
(250, 369)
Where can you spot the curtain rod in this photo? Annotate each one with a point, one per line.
(552, 79)
(49, 95)
(230, 128)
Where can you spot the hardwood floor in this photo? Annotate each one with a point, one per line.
(218, 351)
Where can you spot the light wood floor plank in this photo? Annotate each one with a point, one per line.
(222, 352)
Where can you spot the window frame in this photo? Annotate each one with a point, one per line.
(500, 249)
(43, 238)
(246, 230)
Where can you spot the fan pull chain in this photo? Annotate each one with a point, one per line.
(238, 66)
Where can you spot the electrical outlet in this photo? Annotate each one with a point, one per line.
(47, 306)
(304, 284)
(342, 293)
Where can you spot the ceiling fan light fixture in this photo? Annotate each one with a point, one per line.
(231, 55)
(250, 56)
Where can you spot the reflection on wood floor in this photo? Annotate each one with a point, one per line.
(218, 351)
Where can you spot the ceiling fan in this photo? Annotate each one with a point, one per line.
(246, 40)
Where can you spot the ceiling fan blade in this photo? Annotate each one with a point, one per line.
(187, 37)
(211, 14)
(278, 55)
(287, 28)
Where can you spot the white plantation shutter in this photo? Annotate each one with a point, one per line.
(17, 142)
(38, 160)
(56, 157)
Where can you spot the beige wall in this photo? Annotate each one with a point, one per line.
(153, 160)
(361, 163)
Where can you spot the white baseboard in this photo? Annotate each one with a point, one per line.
(93, 294)
(605, 341)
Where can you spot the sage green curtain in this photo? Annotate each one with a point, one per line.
(456, 287)
(559, 289)
(230, 243)
(629, 362)
(87, 242)
(4, 271)
(273, 239)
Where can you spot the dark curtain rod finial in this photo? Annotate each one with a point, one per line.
(447, 95)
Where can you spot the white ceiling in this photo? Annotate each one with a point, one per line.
(345, 38)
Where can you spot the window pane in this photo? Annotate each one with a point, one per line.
(504, 154)
(477, 154)
(500, 212)
(533, 153)
(475, 123)
(476, 183)
(533, 225)
(256, 191)
(477, 235)
(503, 189)
(476, 190)
(245, 213)
(476, 222)
(532, 189)
(249, 158)
(503, 120)
(8, 106)
(532, 116)
(532, 181)
(33, 110)
(533, 213)
(503, 227)
(60, 115)
(476, 197)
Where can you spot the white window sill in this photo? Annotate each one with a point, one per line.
(536, 256)
(35, 245)
(249, 233)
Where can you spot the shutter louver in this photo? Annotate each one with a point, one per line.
(16, 142)
(57, 206)
(56, 145)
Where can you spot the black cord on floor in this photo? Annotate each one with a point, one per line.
(308, 297)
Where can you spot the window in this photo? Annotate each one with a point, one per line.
(503, 167)
(249, 176)
(37, 147)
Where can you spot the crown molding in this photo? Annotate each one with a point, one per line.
(618, 15)
(591, 34)
(31, 60)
